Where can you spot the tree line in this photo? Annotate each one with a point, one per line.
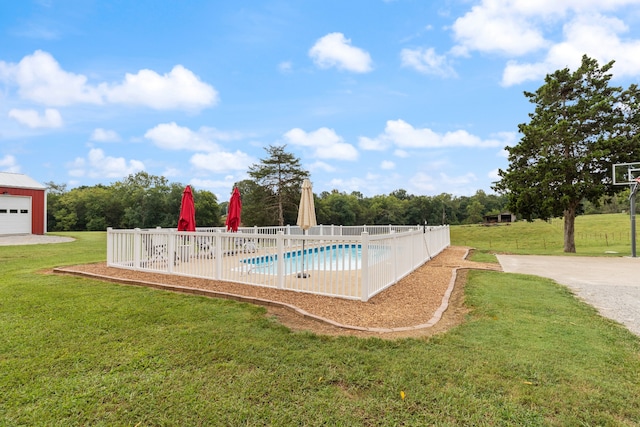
(146, 201)
(138, 201)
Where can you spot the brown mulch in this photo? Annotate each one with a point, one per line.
(428, 301)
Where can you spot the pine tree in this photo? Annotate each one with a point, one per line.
(281, 176)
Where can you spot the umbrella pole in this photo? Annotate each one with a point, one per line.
(302, 274)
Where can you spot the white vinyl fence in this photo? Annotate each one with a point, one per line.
(345, 262)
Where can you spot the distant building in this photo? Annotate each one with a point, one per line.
(499, 218)
(23, 205)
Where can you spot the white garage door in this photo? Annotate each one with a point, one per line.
(15, 215)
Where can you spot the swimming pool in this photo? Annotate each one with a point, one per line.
(335, 257)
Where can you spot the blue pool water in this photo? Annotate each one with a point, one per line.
(332, 257)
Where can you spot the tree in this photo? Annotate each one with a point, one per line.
(580, 126)
(207, 209)
(474, 212)
(281, 175)
(54, 194)
(387, 210)
(337, 208)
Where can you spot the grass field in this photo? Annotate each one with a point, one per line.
(75, 351)
(595, 235)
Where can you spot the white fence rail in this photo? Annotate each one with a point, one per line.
(345, 262)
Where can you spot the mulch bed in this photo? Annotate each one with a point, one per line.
(428, 301)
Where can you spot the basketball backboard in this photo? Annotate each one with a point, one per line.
(626, 173)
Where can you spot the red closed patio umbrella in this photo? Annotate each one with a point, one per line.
(235, 211)
(187, 219)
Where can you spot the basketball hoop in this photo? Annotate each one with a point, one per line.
(629, 174)
(634, 188)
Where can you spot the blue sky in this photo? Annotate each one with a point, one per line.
(371, 95)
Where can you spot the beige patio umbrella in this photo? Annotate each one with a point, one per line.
(306, 216)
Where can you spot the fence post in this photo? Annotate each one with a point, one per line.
(217, 238)
(171, 249)
(137, 245)
(280, 259)
(109, 246)
(394, 260)
(364, 264)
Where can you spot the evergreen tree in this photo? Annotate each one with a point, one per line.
(580, 126)
(281, 175)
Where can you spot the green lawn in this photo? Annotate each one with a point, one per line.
(595, 235)
(75, 351)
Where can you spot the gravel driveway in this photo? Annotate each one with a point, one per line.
(32, 239)
(611, 285)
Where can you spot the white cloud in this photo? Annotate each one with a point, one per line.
(515, 28)
(104, 135)
(8, 163)
(457, 181)
(77, 168)
(372, 144)
(222, 161)
(422, 183)
(349, 185)
(598, 36)
(211, 183)
(321, 166)
(98, 165)
(404, 135)
(170, 136)
(285, 66)
(33, 119)
(40, 79)
(387, 165)
(334, 50)
(171, 172)
(179, 89)
(223, 185)
(493, 175)
(497, 26)
(507, 138)
(427, 61)
(212, 157)
(324, 142)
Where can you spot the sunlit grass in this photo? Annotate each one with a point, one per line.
(75, 351)
(595, 235)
